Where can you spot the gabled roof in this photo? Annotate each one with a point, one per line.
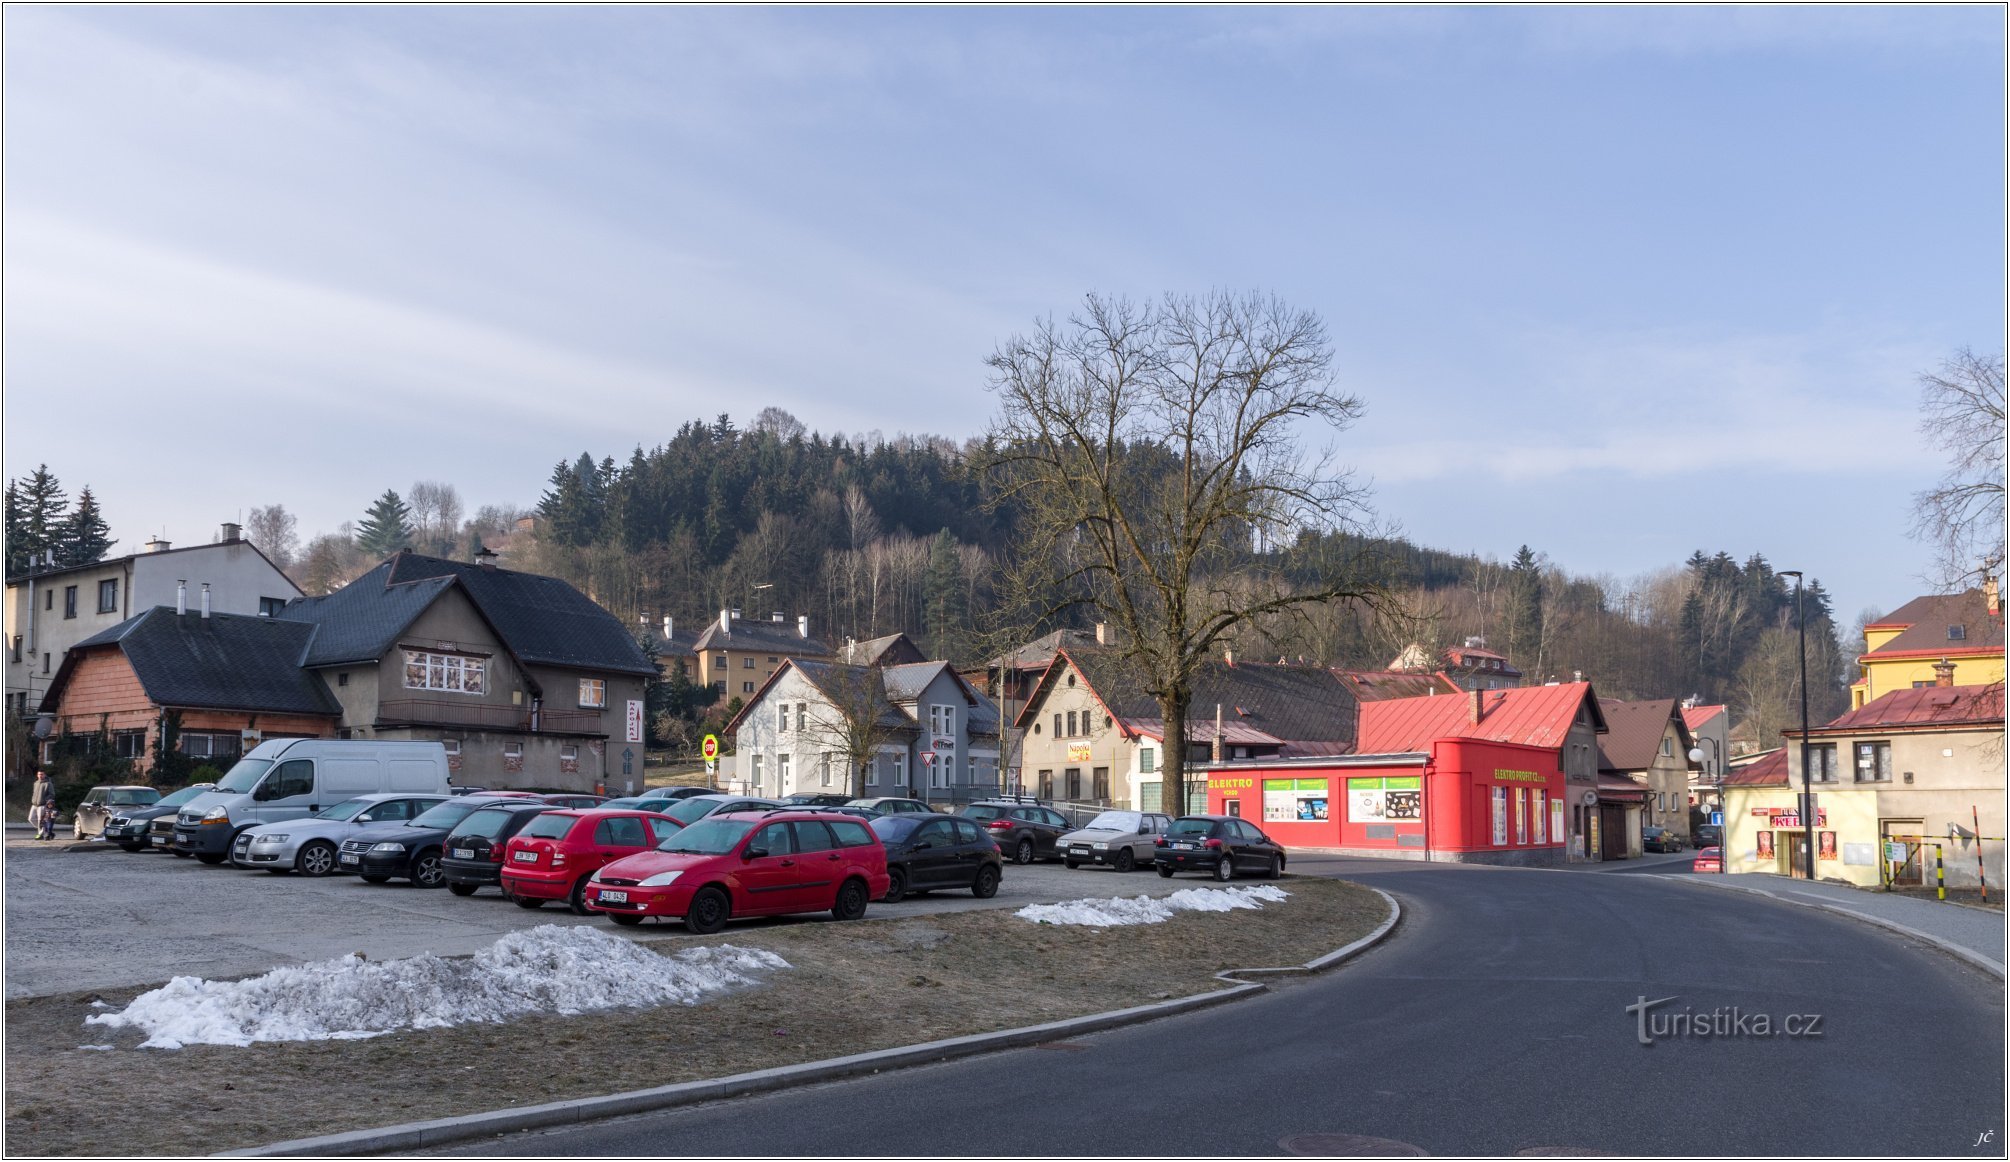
(1286, 703)
(1039, 653)
(1382, 685)
(895, 649)
(1694, 717)
(1770, 771)
(1529, 715)
(226, 661)
(899, 684)
(775, 637)
(1634, 741)
(361, 621)
(1923, 708)
(1926, 620)
(38, 574)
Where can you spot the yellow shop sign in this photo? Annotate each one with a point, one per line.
(1520, 777)
(1219, 784)
(1078, 752)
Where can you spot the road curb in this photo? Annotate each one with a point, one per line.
(440, 1131)
(1966, 955)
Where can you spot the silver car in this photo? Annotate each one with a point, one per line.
(309, 846)
(1121, 839)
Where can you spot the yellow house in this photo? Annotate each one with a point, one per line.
(1904, 649)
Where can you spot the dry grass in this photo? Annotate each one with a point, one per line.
(854, 987)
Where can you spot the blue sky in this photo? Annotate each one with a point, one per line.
(1616, 283)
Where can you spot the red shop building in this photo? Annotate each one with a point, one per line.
(1463, 800)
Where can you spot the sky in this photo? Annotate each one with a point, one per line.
(1618, 284)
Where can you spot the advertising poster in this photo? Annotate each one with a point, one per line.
(1765, 845)
(1556, 819)
(1825, 845)
(1395, 799)
(1295, 800)
(634, 720)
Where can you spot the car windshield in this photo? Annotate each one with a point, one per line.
(446, 814)
(347, 809)
(624, 803)
(1191, 827)
(1126, 821)
(709, 836)
(485, 824)
(131, 796)
(983, 813)
(244, 776)
(548, 827)
(181, 796)
(689, 811)
(896, 828)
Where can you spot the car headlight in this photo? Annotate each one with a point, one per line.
(1102, 847)
(389, 847)
(661, 880)
(215, 815)
(268, 839)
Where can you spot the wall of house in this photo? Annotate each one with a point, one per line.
(1881, 676)
(969, 763)
(1956, 776)
(104, 693)
(1579, 760)
(1667, 782)
(451, 625)
(1760, 824)
(1096, 743)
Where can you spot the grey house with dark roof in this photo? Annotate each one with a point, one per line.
(526, 681)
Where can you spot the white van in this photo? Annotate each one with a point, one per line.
(292, 778)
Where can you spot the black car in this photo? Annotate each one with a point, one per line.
(815, 799)
(890, 806)
(411, 850)
(1022, 829)
(926, 852)
(471, 855)
(133, 827)
(1709, 835)
(1220, 845)
(1657, 838)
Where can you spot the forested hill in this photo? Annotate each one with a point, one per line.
(868, 536)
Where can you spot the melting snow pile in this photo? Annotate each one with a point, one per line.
(1145, 910)
(548, 969)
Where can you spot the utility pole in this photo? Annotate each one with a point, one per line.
(1807, 797)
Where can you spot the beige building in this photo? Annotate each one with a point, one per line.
(736, 657)
(1648, 744)
(49, 610)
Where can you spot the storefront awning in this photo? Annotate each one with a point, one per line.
(1612, 789)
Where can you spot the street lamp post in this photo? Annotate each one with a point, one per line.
(1807, 796)
(1723, 807)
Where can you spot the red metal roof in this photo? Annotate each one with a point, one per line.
(1695, 716)
(1620, 789)
(1770, 771)
(1529, 715)
(1924, 707)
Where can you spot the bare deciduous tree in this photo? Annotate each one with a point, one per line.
(1962, 515)
(1151, 448)
(853, 720)
(785, 426)
(275, 531)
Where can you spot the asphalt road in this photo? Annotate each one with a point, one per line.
(1495, 1023)
(105, 918)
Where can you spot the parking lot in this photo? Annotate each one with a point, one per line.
(106, 918)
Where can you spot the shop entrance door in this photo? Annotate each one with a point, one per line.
(1794, 850)
(1611, 832)
(1912, 870)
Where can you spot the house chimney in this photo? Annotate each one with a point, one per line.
(1476, 708)
(205, 599)
(232, 532)
(736, 613)
(181, 596)
(156, 545)
(486, 558)
(1476, 643)
(1992, 596)
(667, 634)
(803, 625)
(1102, 633)
(1577, 675)
(1943, 673)
(778, 615)
(725, 621)
(1217, 732)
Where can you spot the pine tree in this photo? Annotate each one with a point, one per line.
(943, 600)
(384, 529)
(85, 536)
(43, 511)
(1524, 609)
(17, 551)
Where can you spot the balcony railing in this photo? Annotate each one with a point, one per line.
(484, 716)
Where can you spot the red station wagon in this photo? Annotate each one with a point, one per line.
(753, 863)
(555, 853)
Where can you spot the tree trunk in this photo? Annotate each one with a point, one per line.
(1172, 785)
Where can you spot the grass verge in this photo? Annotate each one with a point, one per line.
(877, 984)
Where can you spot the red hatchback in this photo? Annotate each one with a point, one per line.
(752, 863)
(555, 853)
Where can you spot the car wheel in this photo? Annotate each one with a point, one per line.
(1023, 854)
(427, 872)
(896, 885)
(77, 831)
(1224, 868)
(376, 879)
(526, 902)
(852, 898)
(1126, 861)
(577, 901)
(1276, 867)
(625, 919)
(1071, 864)
(709, 911)
(315, 859)
(210, 857)
(1165, 871)
(461, 889)
(986, 885)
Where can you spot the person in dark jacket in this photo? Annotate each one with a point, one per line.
(42, 806)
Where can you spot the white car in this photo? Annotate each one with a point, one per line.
(1121, 839)
(309, 846)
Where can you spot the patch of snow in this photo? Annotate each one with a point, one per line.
(1116, 911)
(547, 969)
(100, 1005)
(97, 1046)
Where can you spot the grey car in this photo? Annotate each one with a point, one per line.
(102, 803)
(310, 846)
(1120, 839)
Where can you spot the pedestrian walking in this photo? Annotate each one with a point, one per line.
(42, 806)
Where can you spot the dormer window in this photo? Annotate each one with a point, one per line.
(1957, 633)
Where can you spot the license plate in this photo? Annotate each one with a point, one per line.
(1187, 846)
(525, 857)
(1078, 851)
(464, 853)
(351, 857)
(607, 897)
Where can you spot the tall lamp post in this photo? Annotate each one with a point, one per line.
(1807, 797)
(1723, 808)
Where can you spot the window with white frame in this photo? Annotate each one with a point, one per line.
(593, 693)
(453, 745)
(454, 673)
(872, 772)
(942, 720)
(512, 750)
(782, 722)
(756, 762)
(900, 768)
(782, 774)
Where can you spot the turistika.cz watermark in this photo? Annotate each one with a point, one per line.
(1723, 1023)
